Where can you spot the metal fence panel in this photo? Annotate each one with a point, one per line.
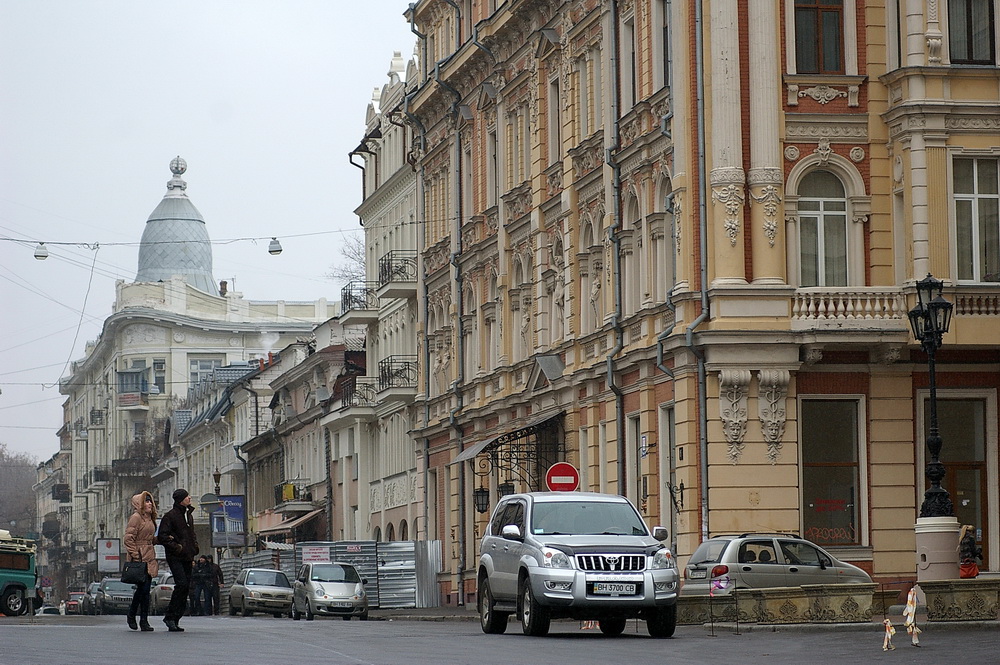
(397, 577)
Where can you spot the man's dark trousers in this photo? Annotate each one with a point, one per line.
(181, 570)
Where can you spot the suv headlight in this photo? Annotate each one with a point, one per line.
(662, 559)
(553, 558)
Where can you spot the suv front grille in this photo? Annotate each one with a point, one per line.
(611, 562)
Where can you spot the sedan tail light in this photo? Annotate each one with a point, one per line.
(720, 570)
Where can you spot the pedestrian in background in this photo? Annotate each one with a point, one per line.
(216, 581)
(181, 545)
(201, 602)
(140, 537)
(968, 551)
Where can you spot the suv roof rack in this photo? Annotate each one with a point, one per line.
(783, 534)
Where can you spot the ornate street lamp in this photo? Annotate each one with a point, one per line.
(481, 497)
(930, 320)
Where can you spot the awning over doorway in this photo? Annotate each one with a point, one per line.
(289, 525)
(528, 429)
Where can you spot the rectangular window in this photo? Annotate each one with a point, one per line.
(628, 68)
(160, 374)
(819, 36)
(976, 184)
(201, 368)
(554, 122)
(830, 472)
(970, 31)
(583, 97)
(491, 168)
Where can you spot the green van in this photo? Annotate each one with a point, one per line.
(17, 573)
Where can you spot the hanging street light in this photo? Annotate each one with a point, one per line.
(929, 320)
(274, 247)
(41, 252)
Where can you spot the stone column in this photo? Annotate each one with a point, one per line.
(766, 181)
(726, 178)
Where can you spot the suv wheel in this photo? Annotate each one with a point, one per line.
(612, 625)
(534, 618)
(662, 622)
(12, 603)
(491, 621)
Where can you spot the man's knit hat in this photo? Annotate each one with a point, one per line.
(180, 495)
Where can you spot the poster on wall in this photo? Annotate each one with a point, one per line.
(109, 555)
(228, 524)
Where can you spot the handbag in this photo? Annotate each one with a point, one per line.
(134, 573)
(968, 570)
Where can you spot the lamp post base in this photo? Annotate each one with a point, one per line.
(937, 548)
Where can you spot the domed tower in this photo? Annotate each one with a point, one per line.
(175, 241)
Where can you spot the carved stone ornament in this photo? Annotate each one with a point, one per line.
(823, 94)
(732, 197)
(734, 384)
(791, 153)
(769, 198)
(824, 150)
(772, 389)
(678, 219)
(812, 355)
(857, 154)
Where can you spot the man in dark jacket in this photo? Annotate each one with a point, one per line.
(177, 536)
(216, 581)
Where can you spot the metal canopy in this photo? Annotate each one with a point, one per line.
(523, 453)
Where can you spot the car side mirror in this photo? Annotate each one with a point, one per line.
(364, 581)
(660, 533)
(511, 532)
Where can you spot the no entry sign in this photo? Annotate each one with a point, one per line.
(562, 477)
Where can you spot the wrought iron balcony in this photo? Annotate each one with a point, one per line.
(361, 392)
(133, 466)
(61, 492)
(397, 378)
(100, 474)
(397, 274)
(359, 303)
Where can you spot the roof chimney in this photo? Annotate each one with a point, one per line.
(223, 287)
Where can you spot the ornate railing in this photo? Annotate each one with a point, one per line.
(863, 304)
(132, 466)
(397, 266)
(362, 391)
(977, 304)
(358, 296)
(397, 372)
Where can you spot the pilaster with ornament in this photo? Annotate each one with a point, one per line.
(727, 189)
(734, 385)
(772, 387)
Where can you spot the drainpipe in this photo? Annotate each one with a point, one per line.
(616, 256)
(476, 42)
(665, 131)
(703, 268)
(246, 491)
(458, 23)
(350, 158)
(421, 36)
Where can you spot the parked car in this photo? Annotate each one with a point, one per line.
(114, 596)
(44, 610)
(260, 590)
(330, 589)
(74, 605)
(160, 592)
(90, 598)
(578, 555)
(760, 560)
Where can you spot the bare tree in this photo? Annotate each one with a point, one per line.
(17, 499)
(351, 267)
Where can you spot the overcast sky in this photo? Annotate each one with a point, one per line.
(262, 98)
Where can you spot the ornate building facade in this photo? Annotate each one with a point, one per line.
(674, 243)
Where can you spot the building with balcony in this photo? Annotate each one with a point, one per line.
(675, 244)
(376, 474)
(169, 330)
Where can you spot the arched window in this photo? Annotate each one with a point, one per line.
(403, 533)
(389, 534)
(377, 535)
(823, 232)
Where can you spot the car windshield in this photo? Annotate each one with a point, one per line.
(76, 595)
(267, 578)
(586, 518)
(333, 572)
(709, 552)
(118, 587)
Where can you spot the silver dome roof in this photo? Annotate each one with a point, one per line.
(175, 241)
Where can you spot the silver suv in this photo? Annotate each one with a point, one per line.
(578, 555)
(761, 560)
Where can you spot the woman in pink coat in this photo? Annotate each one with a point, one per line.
(140, 536)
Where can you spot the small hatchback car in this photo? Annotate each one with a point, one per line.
(260, 590)
(331, 589)
(756, 561)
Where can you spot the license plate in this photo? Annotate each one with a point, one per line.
(614, 588)
(698, 574)
(341, 604)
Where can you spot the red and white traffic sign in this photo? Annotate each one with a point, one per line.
(562, 477)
